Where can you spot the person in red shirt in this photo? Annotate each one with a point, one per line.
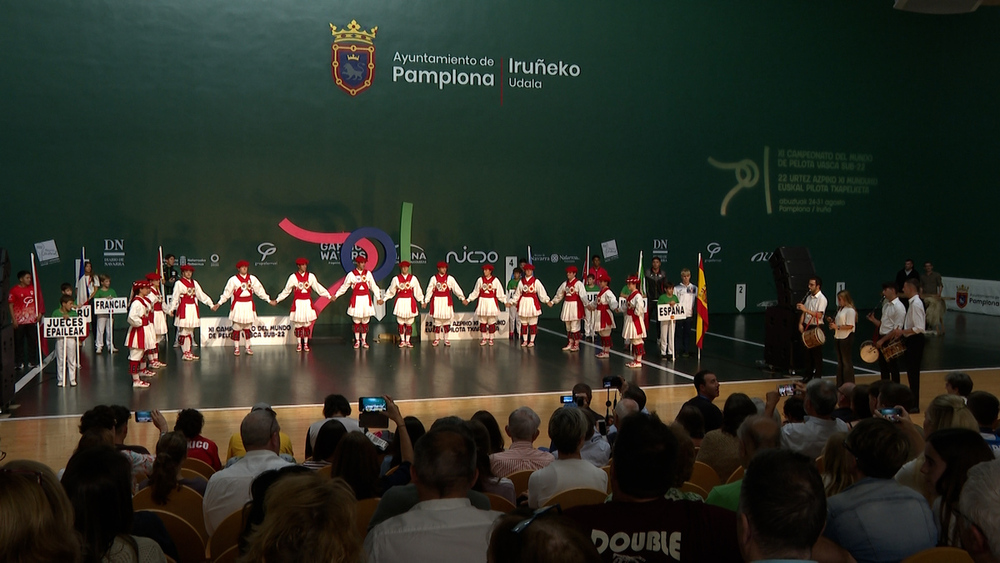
(190, 423)
(21, 301)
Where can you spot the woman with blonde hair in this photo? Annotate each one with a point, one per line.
(837, 475)
(843, 326)
(307, 518)
(36, 517)
(945, 411)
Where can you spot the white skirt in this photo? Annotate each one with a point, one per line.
(362, 308)
(487, 308)
(303, 311)
(569, 312)
(631, 331)
(159, 322)
(403, 309)
(242, 312)
(526, 308)
(191, 318)
(442, 310)
(150, 337)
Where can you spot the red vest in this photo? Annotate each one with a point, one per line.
(604, 309)
(486, 290)
(406, 289)
(529, 290)
(436, 292)
(359, 288)
(187, 297)
(572, 295)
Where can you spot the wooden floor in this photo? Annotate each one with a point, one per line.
(51, 440)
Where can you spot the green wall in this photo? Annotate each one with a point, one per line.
(201, 125)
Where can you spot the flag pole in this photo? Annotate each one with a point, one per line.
(700, 280)
(586, 264)
(38, 327)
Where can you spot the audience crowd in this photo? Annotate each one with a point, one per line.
(845, 475)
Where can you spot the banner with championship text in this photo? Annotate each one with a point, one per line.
(972, 296)
(465, 326)
(269, 331)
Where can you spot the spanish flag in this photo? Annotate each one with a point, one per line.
(702, 325)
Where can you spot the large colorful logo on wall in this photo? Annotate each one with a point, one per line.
(353, 57)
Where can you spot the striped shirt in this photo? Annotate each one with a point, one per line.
(519, 457)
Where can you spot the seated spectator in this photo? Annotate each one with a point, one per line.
(97, 482)
(720, 449)
(329, 437)
(582, 390)
(860, 407)
(166, 478)
(624, 408)
(36, 517)
(335, 407)
(837, 473)
(632, 391)
(810, 437)
(985, 408)
(845, 395)
(493, 427)
(228, 490)
(894, 394)
(522, 427)
(393, 458)
(444, 470)
(542, 536)
(685, 465)
(782, 509)
(307, 518)
(876, 518)
(874, 389)
(958, 383)
(190, 422)
(948, 456)
(122, 417)
(794, 410)
(658, 529)
(945, 411)
(756, 433)
(567, 429)
(356, 462)
(979, 520)
(486, 482)
(596, 448)
(237, 449)
(103, 416)
(707, 386)
(254, 511)
(691, 419)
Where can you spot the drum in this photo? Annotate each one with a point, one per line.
(869, 353)
(813, 337)
(893, 349)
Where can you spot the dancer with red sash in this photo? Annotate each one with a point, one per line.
(242, 311)
(634, 329)
(573, 311)
(183, 307)
(300, 285)
(159, 320)
(529, 296)
(605, 304)
(362, 287)
(406, 289)
(138, 319)
(490, 291)
(438, 294)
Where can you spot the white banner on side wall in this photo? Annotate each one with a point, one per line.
(269, 331)
(972, 296)
(465, 326)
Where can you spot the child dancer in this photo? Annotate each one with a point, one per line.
(634, 330)
(529, 297)
(302, 283)
(573, 311)
(489, 291)
(362, 286)
(187, 294)
(406, 289)
(138, 319)
(604, 305)
(438, 294)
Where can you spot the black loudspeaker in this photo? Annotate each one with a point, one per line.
(6, 366)
(792, 267)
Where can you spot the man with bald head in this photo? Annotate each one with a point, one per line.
(756, 433)
(522, 427)
(228, 490)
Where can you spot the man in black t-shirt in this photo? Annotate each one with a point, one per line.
(707, 385)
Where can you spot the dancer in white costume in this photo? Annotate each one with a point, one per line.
(573, 311)
(138, 318)
(300, 285)
(634, 328)
(362, 286)
(406, 289)
(605, 304)
(184, 308)
(529, 296)
(438, 294)
(159, 323)
(242, 311)
(490, 291)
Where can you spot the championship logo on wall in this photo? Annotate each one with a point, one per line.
(353, 57)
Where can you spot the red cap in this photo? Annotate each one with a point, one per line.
(442, 265)
(632, 279)
(242, 264)
(488, 267)
(571, 269)
(404, 264)
(604, 277)
(528, 267)
(153, 276)
(140, 284)
(187, 268)
(360, 260)
(301, 262)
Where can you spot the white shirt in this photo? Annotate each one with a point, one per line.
(433, 531)
(809, 437)
(349, 423)
(597, 450)
(815, 303)
(915, 318)
(686, 294)
(228, 490)
(562, 475)
(892, 317)
(845, 316)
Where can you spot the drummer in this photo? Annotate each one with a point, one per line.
(843, 326)
(892, 319)
(813, 308)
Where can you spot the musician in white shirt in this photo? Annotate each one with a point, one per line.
(843, 326)
(813, 308)
(914, 325)
(892, 319)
